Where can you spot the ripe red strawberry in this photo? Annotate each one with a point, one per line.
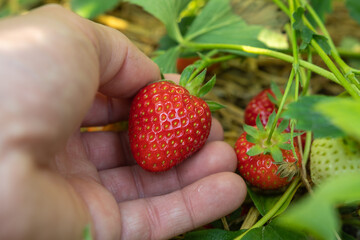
(259, 105)
(263, 105)
(266, 165)
(168, 122)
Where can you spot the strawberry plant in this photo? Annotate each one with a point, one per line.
(309, 193)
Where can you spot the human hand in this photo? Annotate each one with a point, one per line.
(60, 72)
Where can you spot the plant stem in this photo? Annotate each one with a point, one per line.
(265, 52)
(344, 82)
(288, 193)
(225, 224)
(251, 218)
(281, 105)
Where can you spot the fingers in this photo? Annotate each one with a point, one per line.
(166, 216)
(110, 149)
(60, 60)
(132, 182)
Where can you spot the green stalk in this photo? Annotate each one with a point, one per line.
(344, 82)
(281, 105)
(334, 53)
(265, 52)
(288, 193)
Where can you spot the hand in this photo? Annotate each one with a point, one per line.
(59, 72)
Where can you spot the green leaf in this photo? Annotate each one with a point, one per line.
(92, 8)
(214, 106)
(317, 213)
(343, 113)
(207, 87)
(310, 119)
(213, 234)
(263, 202)
(354, 8)
(167, 11)
(217, 24)
(321, 7)
(306, 37)
(273, 231)
(323, 42)
(167, 60)
(255, 150)
(299, 23)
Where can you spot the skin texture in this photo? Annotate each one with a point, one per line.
(60, 72)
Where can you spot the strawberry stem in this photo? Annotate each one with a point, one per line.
(289, 193)
(281, 105)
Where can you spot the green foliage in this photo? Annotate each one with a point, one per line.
(317, 214)
(273, 231)
(354, 8)
(16, 7)
(87, 233)
(307, 34)
(310, 119)
(212, 234)
(92, 8)
(167, 11)
(167, 60)
(343, 113)
(321, 7)
(217, 24)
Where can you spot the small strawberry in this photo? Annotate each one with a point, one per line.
(266, 165)
(169, 122)
(333, 156)
(261, 106)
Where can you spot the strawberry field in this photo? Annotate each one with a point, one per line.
(283, 79)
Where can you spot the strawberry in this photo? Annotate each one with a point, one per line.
(266, 165)
(263, 105)
(169, 122)
(333, 156)
(259, 105)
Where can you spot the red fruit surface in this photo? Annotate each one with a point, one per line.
(166, 125)
(260, 104)
(260, 170)
(183, 62)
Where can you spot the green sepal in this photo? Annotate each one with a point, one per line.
(276, 154)
(250, 138)
(285, 146)
(282, 126)
(185, 75)
(194, 85)
(250, 130)
(259, 124)
(271, 120)
(272, 99)
(214, 106)
(276, 90)
(207, 87)
(255, 150)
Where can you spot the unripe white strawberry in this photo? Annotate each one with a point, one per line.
(332, 157)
